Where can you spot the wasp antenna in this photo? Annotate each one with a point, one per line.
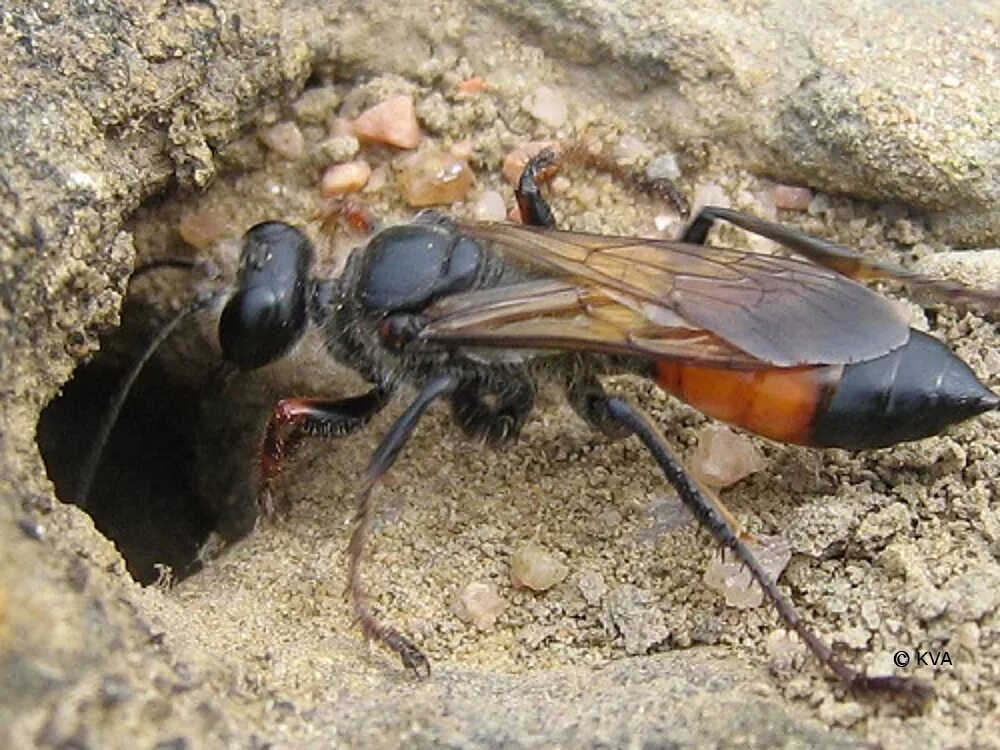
(90, 465)
(155, 265)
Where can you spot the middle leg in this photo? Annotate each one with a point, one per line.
(381, 461)
(493, 414)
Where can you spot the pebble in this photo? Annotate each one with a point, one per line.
(548, 106)
(663, 167)
(726, 575)
(202, 228)
(535, 568)
(724, 457)
(392, 122)
(489, 206)
(792, 197)
(348, 177)
(431, 178)
(284, 139)
(471, 86)
(479, 604)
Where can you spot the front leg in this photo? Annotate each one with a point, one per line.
(295, 418)
(535, 210)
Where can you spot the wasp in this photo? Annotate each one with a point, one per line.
(482, 316)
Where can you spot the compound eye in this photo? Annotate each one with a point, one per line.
(251, 330)
(267, 315)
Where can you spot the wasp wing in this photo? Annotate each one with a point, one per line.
(705, 305)
(553, 314)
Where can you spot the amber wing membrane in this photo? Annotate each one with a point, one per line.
(854, 265)
(703, 305)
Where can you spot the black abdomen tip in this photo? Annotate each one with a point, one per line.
(989, 402)
(911, 393)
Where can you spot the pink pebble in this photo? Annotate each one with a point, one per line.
(348, 177)
(724, 457)
(792, 197)
(393, 122)
(479, 604)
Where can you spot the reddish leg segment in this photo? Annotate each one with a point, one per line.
(535, 210)
(295, 418)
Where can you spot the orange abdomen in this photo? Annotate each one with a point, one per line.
(781, 403)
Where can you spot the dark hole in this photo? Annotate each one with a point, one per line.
(144, 495)
(178, 463)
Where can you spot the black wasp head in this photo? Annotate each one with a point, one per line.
(268, 313)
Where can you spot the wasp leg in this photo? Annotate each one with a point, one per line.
(493, 415)
(836, 257)
(843, 260)
(381, 461)
(722, 528)
(295, 418)
(590, 402)
(535, 210)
